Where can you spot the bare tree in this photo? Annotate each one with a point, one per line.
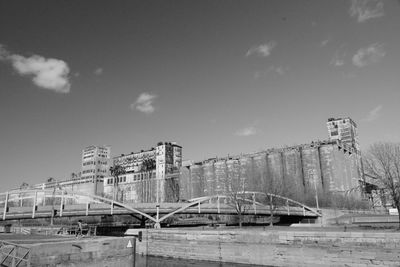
(116, 171)
(236, 188)
(383, 163)
(273, 188)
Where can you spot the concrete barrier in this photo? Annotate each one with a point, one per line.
(84, 252)
(274, 247)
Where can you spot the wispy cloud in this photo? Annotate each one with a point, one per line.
(144, 103)
(364, 10)
(263, 50)
(325, 42)
(48, 73)
(368, 55)
(247, 131)
(373, 114)
(338, 59)
(271, 69)
(98, 71)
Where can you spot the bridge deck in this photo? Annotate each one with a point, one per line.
(148, 208)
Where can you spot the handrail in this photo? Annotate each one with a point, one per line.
(258, 193)
(66, 194)
(12, 254)
(63, 194)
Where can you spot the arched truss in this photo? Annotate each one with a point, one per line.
(248, 198)
(241, 196)
(63, 195)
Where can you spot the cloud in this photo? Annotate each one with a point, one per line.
(338, 59)
(48, 73)
(271, 69)
(98, 71)
(368, 55)
(364, 10)
(144, 103)
(324, 42)
(263, 50)
(247, 131)
(373, 114)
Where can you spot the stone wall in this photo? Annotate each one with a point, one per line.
(275, 248)
(83, 252)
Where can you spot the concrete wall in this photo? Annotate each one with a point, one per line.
(300, 169)
(83, 252)
(275, 248)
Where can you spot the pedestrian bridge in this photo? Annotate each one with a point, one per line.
(33, 204)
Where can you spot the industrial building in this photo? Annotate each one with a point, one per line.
(157, 174)
(151, 175)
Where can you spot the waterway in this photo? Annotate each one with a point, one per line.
(152, 261)
(143, 261)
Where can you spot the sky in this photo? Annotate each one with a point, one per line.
(217, 77)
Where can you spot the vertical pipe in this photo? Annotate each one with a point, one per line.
(283, 168)
(62, 203)
(34, 205)
(320, 166)
(254, 203)
(218, 204)
(5, 206)
(287, 207)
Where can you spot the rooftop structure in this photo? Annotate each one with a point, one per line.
(343, 130)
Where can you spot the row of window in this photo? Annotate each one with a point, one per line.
(120, 180)
(136, 177)
(94, 176)
(94, 162)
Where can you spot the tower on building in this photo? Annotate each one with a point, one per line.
(343, 130)
(95, 165)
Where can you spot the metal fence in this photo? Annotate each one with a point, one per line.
(14, 255)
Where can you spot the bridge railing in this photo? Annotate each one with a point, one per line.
(14, 255)
(57, 198)
(252, 199)
(31, 199)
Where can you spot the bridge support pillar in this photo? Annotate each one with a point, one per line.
(157, 225)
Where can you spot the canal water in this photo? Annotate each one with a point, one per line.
(152, 261)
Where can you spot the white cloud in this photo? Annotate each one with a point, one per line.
(263, 50)
(368, 55)
(144, 103)
(324, 42)
(4, 54)
(280, 70)
(338, 59)
(247, 131)
(98, 71)
(48, 73)
(337, 62)
(373, 114)
(271, 69)
(364, 10)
